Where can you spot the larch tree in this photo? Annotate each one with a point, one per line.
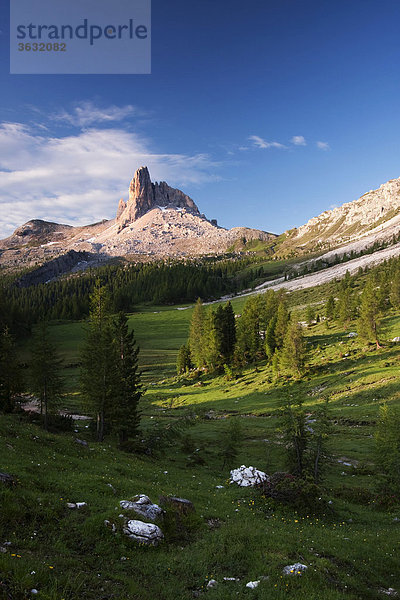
(369, 319)
(293, 354)
(196, 335)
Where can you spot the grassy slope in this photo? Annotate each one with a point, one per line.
(351, 553)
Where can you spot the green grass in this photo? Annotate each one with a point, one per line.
(351, 551)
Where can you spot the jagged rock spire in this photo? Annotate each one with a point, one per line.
(145, 195)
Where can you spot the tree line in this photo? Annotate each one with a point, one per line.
(219, 339)
(159, 282)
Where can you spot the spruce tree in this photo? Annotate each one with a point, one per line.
(10, 372)
(45, 372)
(125, 381)
(98, 362)
(183, 363)
(228, 333)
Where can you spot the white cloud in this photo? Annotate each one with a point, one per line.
(78, 179)
(87, 113)
(298, 140)
(323, 146)
(259, 142)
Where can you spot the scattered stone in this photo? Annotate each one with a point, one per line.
(110, 525)
(253, 584)
(76, 504)
(212, 584)
(214, 523)
(352, 334)
(143, 533)
(7, 479)
(219, 487)
(248, 476)
(81, 442)
(143, 506)
(34, 591)
(296, 569)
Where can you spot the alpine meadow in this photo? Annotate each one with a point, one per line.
(199, 300)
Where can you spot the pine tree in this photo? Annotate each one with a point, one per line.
(45, 372)
(293, 353)
(196, 335)
(125, 381)
(10, 372)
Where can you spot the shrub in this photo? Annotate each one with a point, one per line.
(302, 495)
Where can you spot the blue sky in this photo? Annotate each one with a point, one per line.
(266, 113)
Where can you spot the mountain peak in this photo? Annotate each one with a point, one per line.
(145, 195)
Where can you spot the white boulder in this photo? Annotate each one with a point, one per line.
(247, 476)
(296, 569)
(253, 584)
(143, 533)
(143, 506)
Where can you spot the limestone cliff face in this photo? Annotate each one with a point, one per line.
(145, 195)
(376, 213)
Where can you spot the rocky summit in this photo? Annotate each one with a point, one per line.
(145, 195)
(156, 221)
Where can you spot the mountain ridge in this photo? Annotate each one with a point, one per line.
(156, 221)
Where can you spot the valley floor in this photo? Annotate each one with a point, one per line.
(350, 545)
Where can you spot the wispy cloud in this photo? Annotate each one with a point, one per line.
(87, 113)
(323, 145)
(259, 142)
(78, 179)
(298, 140)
